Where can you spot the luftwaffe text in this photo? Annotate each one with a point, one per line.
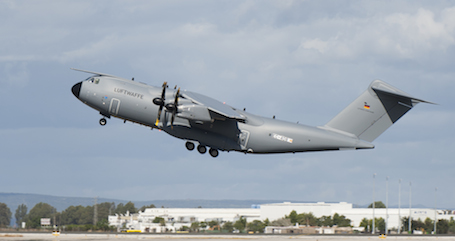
(129, 93)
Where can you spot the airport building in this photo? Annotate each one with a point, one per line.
(278, 210)
(175, 218)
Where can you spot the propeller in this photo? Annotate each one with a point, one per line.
(173, 107)
(160, 102)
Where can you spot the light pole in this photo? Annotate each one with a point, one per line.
(386, 205)
(399, 206)
(410, 206)
(374, 185)
(435, 211)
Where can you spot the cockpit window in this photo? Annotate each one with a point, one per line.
(93, 80)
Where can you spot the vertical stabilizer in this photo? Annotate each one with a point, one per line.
(374, 111)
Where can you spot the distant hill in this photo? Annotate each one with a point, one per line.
(13, 200)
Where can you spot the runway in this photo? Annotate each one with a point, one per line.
(195, 237)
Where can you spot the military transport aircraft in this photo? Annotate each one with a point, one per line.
(208, 123)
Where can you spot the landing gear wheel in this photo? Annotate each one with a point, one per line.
(103, 121)
(201, 149)
(213, 152)
(189, 146)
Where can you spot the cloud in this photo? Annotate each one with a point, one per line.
(421, 32)
(316, 44)
(15, 74)
(99, 50)
(299, 60)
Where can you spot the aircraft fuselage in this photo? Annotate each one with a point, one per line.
(195, 122)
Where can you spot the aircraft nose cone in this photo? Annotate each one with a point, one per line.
(76, 89)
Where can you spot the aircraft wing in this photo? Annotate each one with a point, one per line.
(213, 105)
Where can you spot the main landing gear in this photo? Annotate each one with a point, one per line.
(213, 152)
(189, 146)
(201, 149)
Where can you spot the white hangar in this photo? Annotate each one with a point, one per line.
(175, 218)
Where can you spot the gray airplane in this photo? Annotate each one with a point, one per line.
(208, 123)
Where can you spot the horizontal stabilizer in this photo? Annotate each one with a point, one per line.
(374, 111)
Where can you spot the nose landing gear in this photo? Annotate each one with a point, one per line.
(103, 121)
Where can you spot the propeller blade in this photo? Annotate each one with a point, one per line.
(177, 97)
(163, 93)
(164, 90)
(159, 115)
(175, 109)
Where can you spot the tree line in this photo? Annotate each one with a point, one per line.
(80, 218)
(73, 218)
(257, 226)
(443, 226)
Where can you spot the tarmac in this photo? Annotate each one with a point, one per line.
(194, 237)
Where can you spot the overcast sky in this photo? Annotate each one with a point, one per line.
(298, 60)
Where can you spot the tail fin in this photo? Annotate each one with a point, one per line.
(374, 111)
